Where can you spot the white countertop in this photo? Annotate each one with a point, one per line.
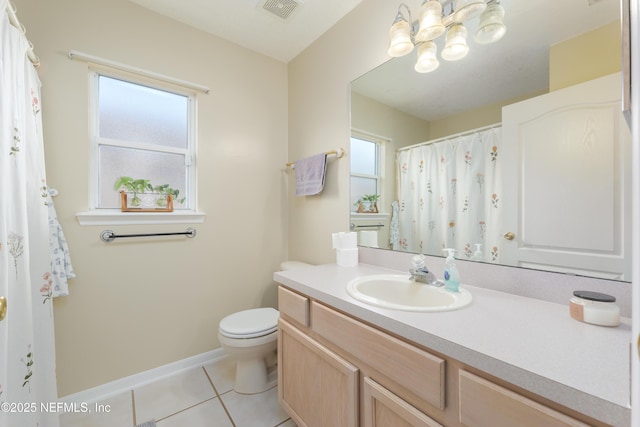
(530, 343)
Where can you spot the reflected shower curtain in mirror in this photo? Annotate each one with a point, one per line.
(27, 353)
(449, 196)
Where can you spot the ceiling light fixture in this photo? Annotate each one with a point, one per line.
(401, 34)
(438, 16)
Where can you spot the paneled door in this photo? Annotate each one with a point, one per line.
(569, 207)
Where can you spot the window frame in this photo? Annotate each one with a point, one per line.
(102, 215)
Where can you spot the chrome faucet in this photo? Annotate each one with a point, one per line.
(420, 273)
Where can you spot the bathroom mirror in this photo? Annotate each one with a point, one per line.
(397, 106)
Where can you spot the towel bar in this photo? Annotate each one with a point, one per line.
(354, 226)
(339, 153)
(110, 236)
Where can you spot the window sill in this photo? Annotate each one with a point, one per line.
(380, 216)
(116, 217)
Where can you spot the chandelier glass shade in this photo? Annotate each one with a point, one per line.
(491, 27)
(400, 35)
(456, 46)
(427, 59)
(437, 17)
(468, 9)
(431, 26)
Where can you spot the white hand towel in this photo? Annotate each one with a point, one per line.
(310, 174)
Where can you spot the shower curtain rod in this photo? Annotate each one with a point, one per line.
(13, 19)
(455, 135)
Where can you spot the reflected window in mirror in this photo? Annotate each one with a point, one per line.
(367, 170)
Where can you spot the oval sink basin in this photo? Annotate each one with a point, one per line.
(398, 292)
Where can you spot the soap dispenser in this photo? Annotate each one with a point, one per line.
(451, 275)
(477, 255)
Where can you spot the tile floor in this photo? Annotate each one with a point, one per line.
(199, 397)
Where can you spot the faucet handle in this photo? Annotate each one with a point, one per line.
(418, 261)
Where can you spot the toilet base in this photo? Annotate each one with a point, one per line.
(253, 376)
(256, 360)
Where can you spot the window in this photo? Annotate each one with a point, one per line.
(143, 129)
(366, 166)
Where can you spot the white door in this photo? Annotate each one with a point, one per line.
(569, 208)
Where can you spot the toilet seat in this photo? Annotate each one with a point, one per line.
(253, 323)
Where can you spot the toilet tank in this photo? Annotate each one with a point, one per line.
(290, 265)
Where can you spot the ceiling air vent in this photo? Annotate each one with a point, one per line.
(281, 8)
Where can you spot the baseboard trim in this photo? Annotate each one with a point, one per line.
(121, 385)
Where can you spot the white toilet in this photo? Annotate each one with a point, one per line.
(250, 337)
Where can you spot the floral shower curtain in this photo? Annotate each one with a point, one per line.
(29, 234)
(449, 196)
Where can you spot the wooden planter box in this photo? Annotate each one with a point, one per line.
(368, 207)
(145, 202)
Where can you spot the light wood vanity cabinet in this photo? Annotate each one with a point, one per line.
(335, 370)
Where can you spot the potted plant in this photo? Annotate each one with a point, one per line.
(141, 195)
(368, 203)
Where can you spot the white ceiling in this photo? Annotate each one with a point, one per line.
(246, 23)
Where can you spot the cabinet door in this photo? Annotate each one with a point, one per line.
(315, 386)
(485, 404)
(382, 408)
(568, 205)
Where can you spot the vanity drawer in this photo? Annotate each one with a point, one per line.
(486, 404)
(293, 306)
(419, 372)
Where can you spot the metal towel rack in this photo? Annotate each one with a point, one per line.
(354, 226)
(339, 153)
(110, 236)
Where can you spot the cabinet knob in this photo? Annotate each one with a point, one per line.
(509, 235)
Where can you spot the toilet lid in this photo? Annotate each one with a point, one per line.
(250, 323)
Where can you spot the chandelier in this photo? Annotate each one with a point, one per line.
(438, 17)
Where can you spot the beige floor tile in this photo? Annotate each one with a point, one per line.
(115, 411)
(223, 374)
(206, 414)
(171, 395)
(255, 410)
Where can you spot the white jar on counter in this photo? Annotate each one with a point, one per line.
(594, 307)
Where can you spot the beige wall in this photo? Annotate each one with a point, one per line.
(142, 303)
(319, 108)
(586, 57)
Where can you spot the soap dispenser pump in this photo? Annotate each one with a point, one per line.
(451, 274)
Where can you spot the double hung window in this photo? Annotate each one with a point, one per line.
(143, 129)
(366, 166)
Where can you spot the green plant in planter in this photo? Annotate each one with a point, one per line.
(368, 203)
(139, 186)
(166, 190)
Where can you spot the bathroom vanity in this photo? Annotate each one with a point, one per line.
(504, 360)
